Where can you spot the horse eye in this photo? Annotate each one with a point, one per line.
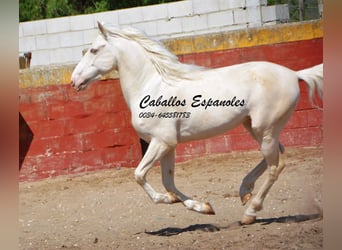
(93, 51)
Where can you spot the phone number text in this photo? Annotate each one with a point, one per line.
(165, 115)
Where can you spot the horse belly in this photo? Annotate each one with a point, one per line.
(208, 124)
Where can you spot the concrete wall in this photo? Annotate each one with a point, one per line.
(65, 132)
(61, 40)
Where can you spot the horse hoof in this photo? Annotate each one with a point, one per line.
(208, 209)
(247, 219)
(199, 207)
(246, 198)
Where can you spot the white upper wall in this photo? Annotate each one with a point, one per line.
(61, 40)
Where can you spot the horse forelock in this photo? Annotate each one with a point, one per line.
(165, 62)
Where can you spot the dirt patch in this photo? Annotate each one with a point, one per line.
(108, 210)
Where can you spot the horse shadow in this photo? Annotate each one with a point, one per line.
(172, 231)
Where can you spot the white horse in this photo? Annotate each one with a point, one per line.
(172, 102)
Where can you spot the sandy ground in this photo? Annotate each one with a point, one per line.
(108, 210)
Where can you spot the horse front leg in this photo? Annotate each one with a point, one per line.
(168, 166)
(155, 151)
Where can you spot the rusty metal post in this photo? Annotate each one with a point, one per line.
(28, 56)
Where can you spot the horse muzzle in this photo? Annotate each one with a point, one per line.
(78, 87)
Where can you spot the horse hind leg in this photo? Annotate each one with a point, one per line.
(272, 152)
(249, 180)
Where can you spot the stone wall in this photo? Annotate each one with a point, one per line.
(61, 40)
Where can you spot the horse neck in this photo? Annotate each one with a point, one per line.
(135, 69)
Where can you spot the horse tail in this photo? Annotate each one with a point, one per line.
(314, 80)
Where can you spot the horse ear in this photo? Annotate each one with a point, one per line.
(102, 29)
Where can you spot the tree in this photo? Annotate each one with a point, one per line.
(30, 10)
(300, 9)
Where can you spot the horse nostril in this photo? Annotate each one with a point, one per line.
(72, 84)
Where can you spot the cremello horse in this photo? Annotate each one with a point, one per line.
(172, 102)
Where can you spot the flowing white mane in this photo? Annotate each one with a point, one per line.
(166, 63)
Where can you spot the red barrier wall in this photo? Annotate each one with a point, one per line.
(91, 130)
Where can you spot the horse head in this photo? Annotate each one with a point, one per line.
(98, 60)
